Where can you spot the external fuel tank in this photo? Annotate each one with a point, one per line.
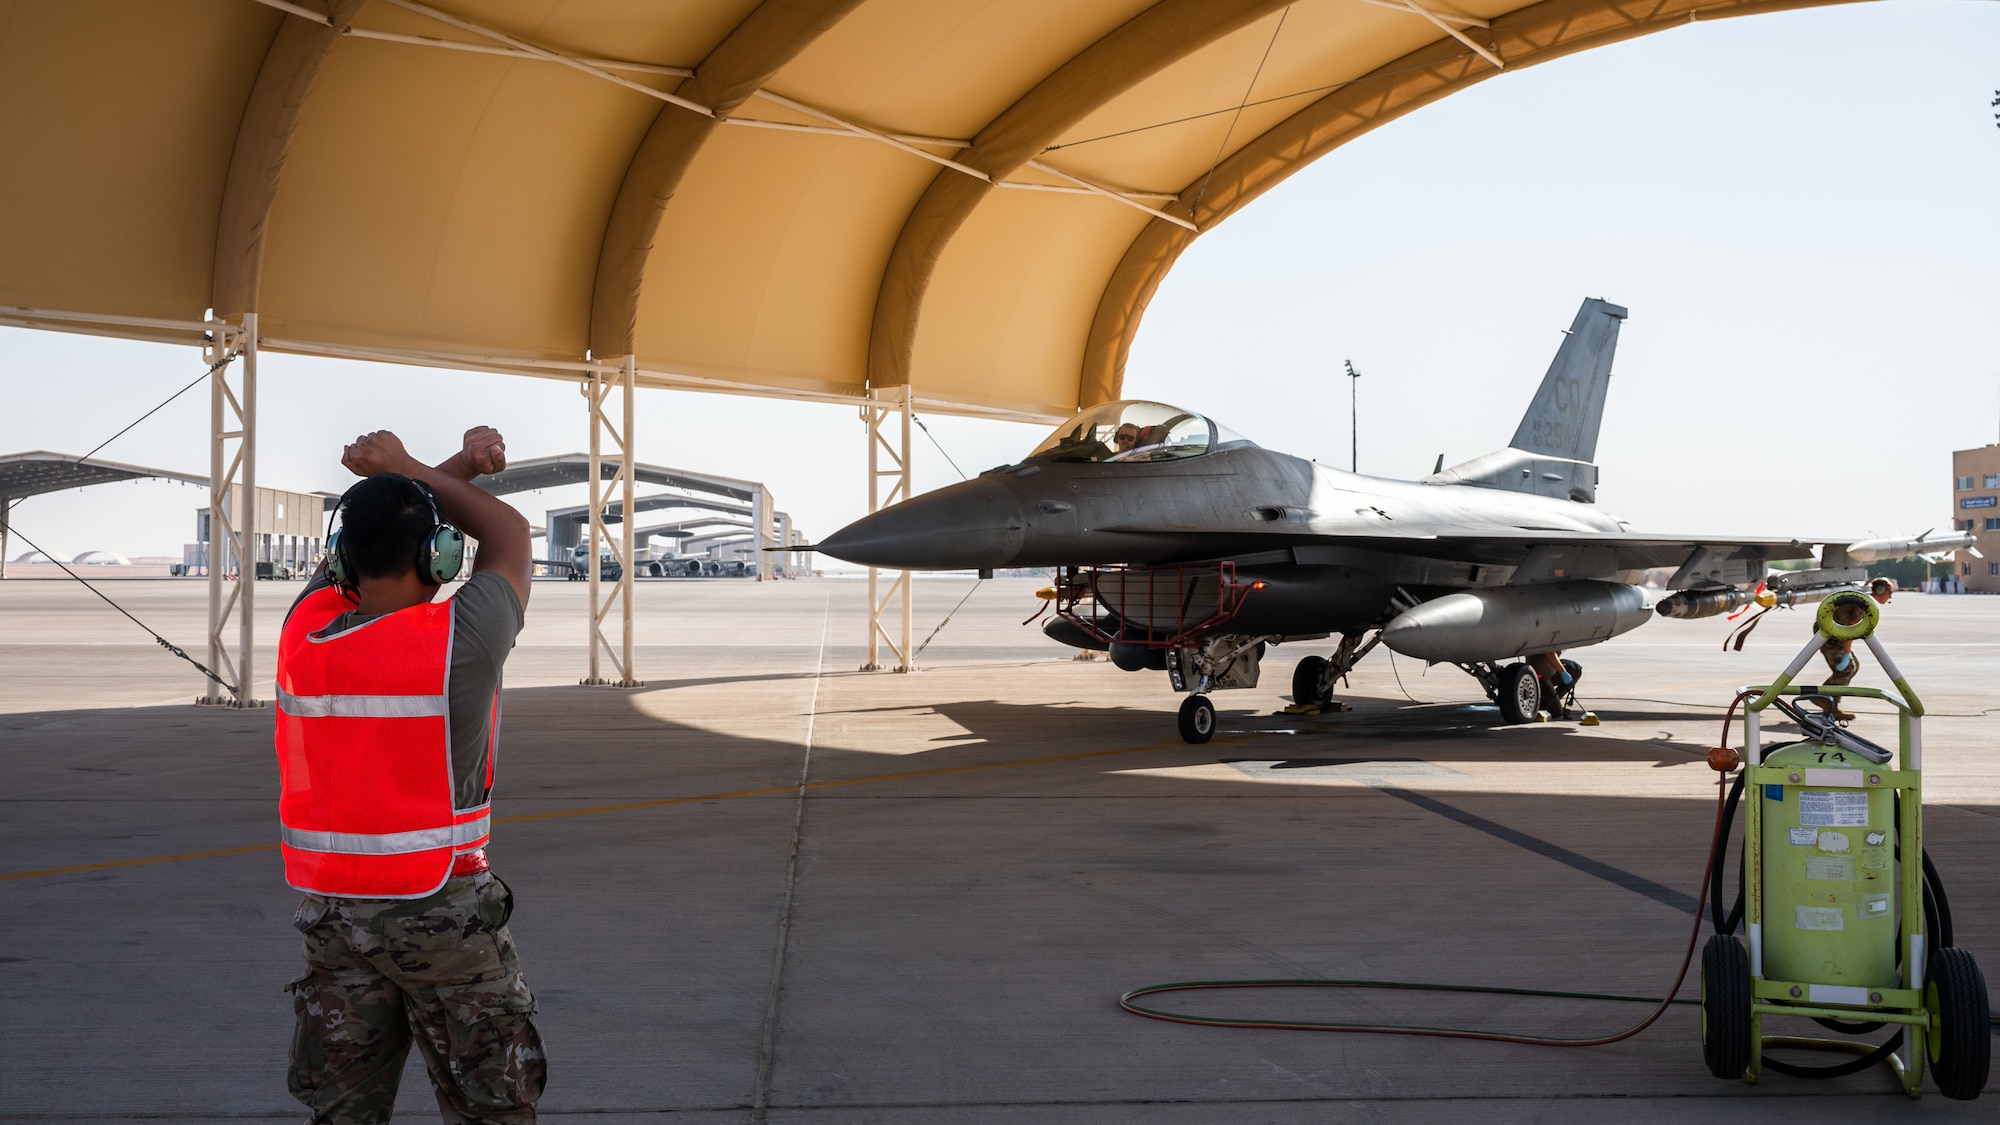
(1508, 621)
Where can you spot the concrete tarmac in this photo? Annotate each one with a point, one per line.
(936, 926)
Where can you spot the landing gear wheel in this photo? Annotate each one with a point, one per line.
(1520, 694)
(1307, 681)
(1725, 1007)
(1961, 1048)
(1197, 719)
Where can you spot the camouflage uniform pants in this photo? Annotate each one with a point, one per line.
(1831, 651)
(441, 970)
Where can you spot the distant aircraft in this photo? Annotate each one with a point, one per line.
(577, 568)
(1188, 549)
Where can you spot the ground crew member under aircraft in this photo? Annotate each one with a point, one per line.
(388, 714)
(1559, 678)
(1839, 655)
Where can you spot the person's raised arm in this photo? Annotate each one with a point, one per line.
(504, 545)
(483, 451)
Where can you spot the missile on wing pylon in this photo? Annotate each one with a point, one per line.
(1875, 550)
(1690, 604)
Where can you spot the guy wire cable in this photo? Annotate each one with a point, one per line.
(163, 642)
(1231, 131)
(934, 441)
(947, 618)
(212, 369)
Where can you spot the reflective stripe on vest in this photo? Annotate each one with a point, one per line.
(386, 843)
(363, 706)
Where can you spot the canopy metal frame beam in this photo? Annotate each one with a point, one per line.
(232, 528)
(597, 390)
(1452, 17)
(888, 483)
(1435, 18)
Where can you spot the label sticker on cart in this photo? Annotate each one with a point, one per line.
(1833, 810)
(1804, 837)
(1819, 918)
(1836, 868)
(1872, 906)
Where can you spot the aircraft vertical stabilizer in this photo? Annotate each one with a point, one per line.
(1554, 450)
(1564, 418)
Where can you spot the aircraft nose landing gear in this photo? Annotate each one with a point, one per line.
(1197, 719)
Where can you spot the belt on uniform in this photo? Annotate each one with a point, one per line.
(469, 863)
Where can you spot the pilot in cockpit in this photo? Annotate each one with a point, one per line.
(1125, 440)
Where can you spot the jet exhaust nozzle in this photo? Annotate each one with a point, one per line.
(1508, 621)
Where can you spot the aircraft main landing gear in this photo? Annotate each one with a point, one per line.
(1519, 693)
(1197, 719)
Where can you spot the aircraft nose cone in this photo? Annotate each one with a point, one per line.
(972, 525)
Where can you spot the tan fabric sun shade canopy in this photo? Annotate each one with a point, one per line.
(794, 197)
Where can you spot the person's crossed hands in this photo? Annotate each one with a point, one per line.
(378, 452)
(484, 450)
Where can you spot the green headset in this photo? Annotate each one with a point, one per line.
(440, 556)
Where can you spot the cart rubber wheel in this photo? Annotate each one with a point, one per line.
(1197, 719)
(1520, 694)
(1961, 1048)
(1725, 1006)
(1306, 681)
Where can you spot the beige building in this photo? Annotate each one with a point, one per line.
(1975, 505)
(289, 528)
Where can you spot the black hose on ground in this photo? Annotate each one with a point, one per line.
(1852, 1066)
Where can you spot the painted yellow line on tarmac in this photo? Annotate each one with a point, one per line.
(595, 810)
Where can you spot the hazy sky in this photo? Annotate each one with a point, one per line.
(1801, 210)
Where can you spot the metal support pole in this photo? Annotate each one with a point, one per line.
(629, 378)
(6, 518)
(766, 561)
(597, 390)
(594, 391)
(246, 571)
(887, 401)
(218, 492)
(232, 509)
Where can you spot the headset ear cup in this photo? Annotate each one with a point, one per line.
(336, 560)
(447, 554)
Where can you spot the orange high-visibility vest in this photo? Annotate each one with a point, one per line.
(367, 805)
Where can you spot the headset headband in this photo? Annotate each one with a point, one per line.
(440, 555)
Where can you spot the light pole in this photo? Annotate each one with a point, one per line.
(1354, 418)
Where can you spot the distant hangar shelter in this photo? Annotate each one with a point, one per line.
(956, 206)
(290, 523)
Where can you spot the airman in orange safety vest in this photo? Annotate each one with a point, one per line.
(388, 722)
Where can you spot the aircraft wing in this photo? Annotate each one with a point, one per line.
(1547, 554)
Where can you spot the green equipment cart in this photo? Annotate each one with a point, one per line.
(1835, 894)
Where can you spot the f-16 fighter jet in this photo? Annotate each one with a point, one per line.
(1188, 549)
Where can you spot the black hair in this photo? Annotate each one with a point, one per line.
(384, 521)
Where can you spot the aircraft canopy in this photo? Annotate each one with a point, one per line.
(1134, 430)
